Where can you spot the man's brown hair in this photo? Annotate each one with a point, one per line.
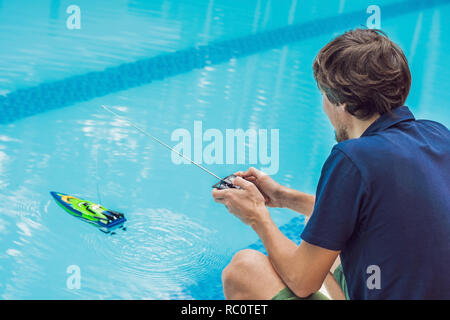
(365, 70)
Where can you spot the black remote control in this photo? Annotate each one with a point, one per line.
(226, 183)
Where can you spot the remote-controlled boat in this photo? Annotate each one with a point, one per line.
(106, 220)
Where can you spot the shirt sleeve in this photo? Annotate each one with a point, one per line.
(339, 197)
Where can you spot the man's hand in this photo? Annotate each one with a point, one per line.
(246, 203)
(271, 190)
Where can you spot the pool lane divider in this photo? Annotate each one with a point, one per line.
(61, 93)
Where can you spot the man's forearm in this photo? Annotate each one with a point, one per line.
(298, 201)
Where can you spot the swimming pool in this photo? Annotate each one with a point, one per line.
(168, 65)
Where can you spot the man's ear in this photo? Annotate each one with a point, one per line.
(343, 107)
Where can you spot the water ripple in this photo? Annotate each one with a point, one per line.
(159, 246)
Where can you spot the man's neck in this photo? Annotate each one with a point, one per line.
(359, 126)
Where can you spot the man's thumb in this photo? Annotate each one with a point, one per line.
(244, 184)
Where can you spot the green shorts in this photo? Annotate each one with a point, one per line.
(287, 294)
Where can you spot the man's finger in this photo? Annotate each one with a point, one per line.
(244, 184)
(250, 178)
(219, 200)
(219, 194)
(243, 175)
(252, 171)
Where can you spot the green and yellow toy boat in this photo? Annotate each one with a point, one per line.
(106, 220)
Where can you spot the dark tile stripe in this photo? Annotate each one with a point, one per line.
(52, 95)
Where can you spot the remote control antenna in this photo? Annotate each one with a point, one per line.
(159, 141)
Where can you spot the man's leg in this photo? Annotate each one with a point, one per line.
(333, 287)
(250, 275)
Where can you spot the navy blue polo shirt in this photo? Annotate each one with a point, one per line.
(383, 200)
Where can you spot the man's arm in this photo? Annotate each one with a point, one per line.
(276, 195)
(303, 268)
(298, 201)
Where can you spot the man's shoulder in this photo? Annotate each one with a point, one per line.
(355, 150)
(396, 144)
(434, 127)
(371, 155)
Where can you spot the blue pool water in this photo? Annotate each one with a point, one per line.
(167, 64)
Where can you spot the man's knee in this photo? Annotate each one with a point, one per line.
(238, 270)
(243, 261)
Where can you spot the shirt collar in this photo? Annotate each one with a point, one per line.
(387, 120)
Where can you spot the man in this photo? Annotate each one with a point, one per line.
(382, 204)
